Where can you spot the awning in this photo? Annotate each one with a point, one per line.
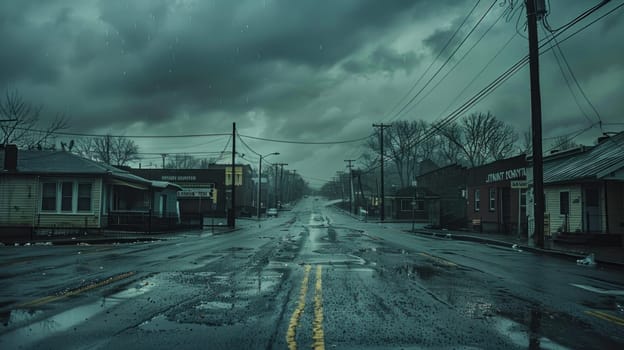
(135, 185)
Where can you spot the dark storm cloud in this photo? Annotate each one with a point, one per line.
(313, 70)
(219, 55)
(382, 59)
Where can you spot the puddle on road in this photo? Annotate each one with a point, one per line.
(214, 306)
(30, 334)
(337, 259)
(421, 271)
(163, 323)
(523, 336)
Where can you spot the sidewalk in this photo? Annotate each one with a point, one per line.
(113, 237)
(611, 256)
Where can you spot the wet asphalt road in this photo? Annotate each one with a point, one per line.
(311, 278)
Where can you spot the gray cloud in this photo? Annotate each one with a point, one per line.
(312, 70)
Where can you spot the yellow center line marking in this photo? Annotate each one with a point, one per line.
(296, 316)
(51, 298)
(605, 316)
(317, 328)
(440, 261)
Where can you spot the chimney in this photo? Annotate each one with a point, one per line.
(10, 157)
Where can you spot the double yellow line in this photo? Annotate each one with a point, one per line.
(318, 335)
(605, 316)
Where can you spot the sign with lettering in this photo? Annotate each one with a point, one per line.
(178, 178)
(518, 184)
(504, 175)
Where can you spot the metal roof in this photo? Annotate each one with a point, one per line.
(593, 162)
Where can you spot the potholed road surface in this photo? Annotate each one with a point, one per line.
(311, 278)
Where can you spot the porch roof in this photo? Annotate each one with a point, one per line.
(594, 162)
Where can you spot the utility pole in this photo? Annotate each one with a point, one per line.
(232, 214)
(536, 119)
(281, 182)
(381, 127)
(350, 166)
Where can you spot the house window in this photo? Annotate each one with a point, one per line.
(477, 200)
(492, 198)
(48, 199)
(564, 203)
(418, 205)
(67, 196)
(84, 197)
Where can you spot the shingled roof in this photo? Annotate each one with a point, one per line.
(37, 162)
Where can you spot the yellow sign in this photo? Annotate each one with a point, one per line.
(238, 173)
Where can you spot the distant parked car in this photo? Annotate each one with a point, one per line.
(272, 212)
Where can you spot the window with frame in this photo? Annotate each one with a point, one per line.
(84, 197)
(477, 200)
(48, 196)
(67, 196)
(492, 198)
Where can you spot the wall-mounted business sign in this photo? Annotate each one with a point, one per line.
(519, 184)
(178, 178)
(504, 175)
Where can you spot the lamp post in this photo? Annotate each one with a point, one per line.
(260, 180)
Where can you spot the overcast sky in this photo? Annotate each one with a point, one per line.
(294, 70)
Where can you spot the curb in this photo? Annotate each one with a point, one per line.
(551, 252)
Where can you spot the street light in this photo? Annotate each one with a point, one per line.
(260, 179)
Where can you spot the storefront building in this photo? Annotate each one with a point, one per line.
(496, 196)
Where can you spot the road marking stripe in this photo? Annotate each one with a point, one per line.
(296, 316)
(440, 261)
(317, 328)
(598, 290)
(605, 316)
(51, 298)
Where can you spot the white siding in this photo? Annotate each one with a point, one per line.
(90, 219)
(18, 200)
(557, 220)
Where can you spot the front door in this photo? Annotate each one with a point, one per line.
(593, 219)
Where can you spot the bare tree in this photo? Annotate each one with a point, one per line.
(19, 123)
(527, 143)
(406, 143)
(113, 150)
(562, 143)
(449, 150)
(183, 161)
(482, 138)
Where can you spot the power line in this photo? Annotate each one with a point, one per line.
(497, 82)
(567, 82)
(446, 61)
(576, 82)
(64, 133)
(458, 62)
(446, 45)
(307, 142)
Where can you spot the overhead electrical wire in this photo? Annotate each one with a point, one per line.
(306, 142)
(446, 45)
(457, 62)
(569, 85)
(448, 59)
(503, 78)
